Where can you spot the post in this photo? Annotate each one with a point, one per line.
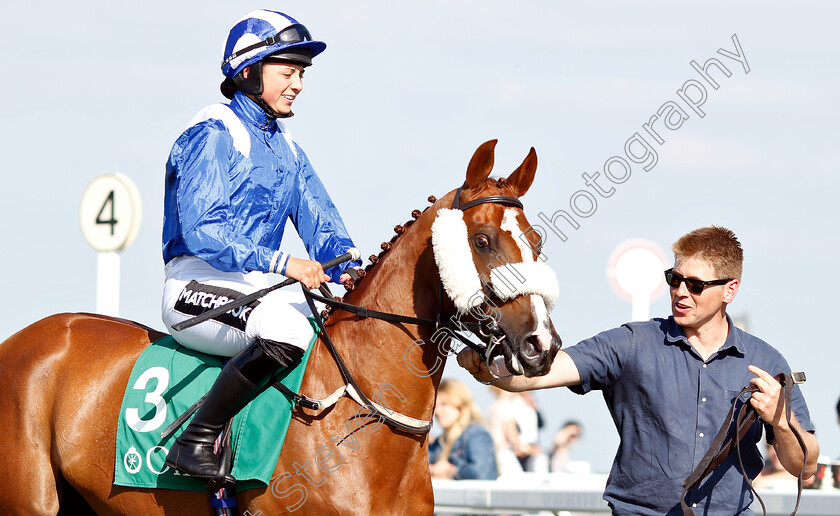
(108, 283)
(109, 216)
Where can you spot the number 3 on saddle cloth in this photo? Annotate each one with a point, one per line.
(166, 381)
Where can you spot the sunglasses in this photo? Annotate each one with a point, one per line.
(695, 286)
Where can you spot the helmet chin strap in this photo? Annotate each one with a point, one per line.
(268, 110)
(253, 87)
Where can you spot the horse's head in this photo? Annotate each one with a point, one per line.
(490, 265)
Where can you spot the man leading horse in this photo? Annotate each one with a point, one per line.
(669, 383)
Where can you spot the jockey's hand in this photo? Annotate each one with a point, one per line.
(307, 272)
(470, 360)
(344, 278)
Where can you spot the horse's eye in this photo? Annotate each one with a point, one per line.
(481, 241)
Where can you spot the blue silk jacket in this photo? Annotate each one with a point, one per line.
(233, 179)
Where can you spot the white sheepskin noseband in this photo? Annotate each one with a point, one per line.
(450, 243)
(451, 246)
(521, 279)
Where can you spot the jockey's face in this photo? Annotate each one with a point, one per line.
(282, 82)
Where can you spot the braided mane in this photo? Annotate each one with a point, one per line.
(374, 259)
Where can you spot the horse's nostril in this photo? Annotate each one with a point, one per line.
(531, 347)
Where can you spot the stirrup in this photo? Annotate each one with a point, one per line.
(214, 484)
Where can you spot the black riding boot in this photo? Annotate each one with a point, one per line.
(242, 378)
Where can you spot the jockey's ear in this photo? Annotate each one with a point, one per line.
(521, 178)
(481, 164)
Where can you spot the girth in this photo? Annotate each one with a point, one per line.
(725, 442)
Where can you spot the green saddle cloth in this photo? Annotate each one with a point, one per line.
(166, 380)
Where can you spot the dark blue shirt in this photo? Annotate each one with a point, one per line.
(473, 453)
(667, 405)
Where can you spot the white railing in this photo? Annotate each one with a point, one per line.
(571, 495)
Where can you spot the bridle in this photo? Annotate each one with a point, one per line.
(487, 328)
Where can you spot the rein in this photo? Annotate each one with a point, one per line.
(408, 424)
(725, 442)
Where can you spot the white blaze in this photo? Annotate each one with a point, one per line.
(538, 306)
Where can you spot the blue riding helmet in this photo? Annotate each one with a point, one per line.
(262, 36)
(262, 33)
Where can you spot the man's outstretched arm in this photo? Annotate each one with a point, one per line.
(563, 372)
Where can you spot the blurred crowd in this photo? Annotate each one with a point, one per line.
(469, 446)
(507, 442)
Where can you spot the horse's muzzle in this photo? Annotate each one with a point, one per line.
(534, 352)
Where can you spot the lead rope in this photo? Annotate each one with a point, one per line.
(723, 443)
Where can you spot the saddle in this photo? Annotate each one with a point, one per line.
(725, 442)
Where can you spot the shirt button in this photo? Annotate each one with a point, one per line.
(701, 434)
(694, 505)
(703, 400)
(704, 366)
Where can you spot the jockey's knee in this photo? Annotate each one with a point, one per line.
(279, 324)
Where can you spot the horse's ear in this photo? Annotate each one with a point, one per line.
(521, 178)
(481, 164)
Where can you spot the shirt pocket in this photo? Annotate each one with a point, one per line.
(754, 433)
(730, 394)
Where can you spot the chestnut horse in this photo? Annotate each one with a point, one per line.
(62, 381)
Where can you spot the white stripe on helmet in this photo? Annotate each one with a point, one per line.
(278, 21)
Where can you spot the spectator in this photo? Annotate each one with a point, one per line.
(563, 440)
(465, 449)
(513, 425)
(536, 460)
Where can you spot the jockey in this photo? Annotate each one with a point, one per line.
(233, 179)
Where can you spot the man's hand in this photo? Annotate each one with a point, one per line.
(768, 401)
(470, 360)
(307, 272)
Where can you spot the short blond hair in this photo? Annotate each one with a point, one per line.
(717, 246)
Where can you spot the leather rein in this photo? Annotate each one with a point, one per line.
(726, 442)
(488, 329)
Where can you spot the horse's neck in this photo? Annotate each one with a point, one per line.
(405, 281)
(400, 357)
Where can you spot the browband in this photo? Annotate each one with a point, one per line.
(504, 200)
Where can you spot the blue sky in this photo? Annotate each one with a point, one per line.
(392, 112)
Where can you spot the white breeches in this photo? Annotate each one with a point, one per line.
(280, 316)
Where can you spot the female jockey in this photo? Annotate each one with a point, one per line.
(233, 178)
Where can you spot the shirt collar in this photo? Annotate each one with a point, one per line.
(252, 113)
(675, 334)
